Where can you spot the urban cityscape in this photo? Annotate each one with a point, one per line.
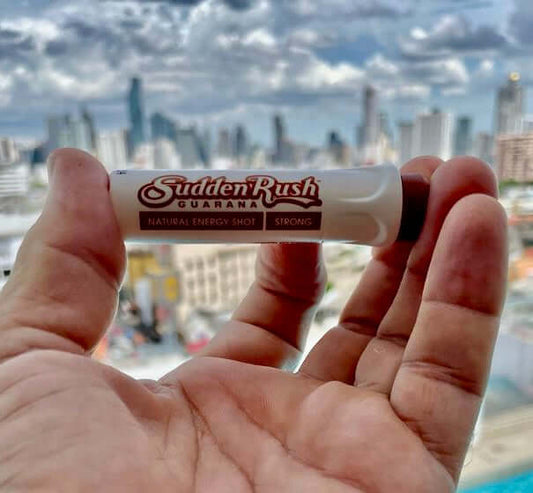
(175, 297)
(161, 142)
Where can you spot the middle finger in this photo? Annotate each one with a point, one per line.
(336, 354)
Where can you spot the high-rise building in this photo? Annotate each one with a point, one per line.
(406, 142)
(336, 147)
(162, 127)
(75, 133)
(8, 151)
(514, 157)
(112, 149)
(88, 123)
(143, 157)
(334, 139)
(206, 147)
(510, 101)
(258, 157)
(432, 135)
(190, 148)
(240, 144)
(384, 126)
(63, 131)
(370, 116)
(224, 143)
(38, 155)
(483, 147)
(463, 136)
(81, 135)
(165, 156)
(526, 124)
(360, 136)
(136, 114)
(279, 139)
(14, 181)
(66, 133)
(55, 125)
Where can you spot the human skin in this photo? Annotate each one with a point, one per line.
(385, 402)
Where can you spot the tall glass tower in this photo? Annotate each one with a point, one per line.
(370, 116)
(463, 136)
(135, 106)
(510, 101)
(279, 139)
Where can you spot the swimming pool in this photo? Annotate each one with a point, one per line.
(517, 484)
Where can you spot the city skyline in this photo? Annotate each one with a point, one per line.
(168, 144)
(222, 63)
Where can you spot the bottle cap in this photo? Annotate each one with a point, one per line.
(414, 204)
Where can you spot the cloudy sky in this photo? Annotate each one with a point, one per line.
(219, 62)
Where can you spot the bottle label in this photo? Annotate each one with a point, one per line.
(266, 190)
(210, 203)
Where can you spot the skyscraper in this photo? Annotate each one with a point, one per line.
(360, 136)
(112, 149)
(432, 135)
(463, 136)
(279, 139)
(63, 131)
(190, 148)
(8, 151)
(483, 147)
(384, 126)
(370, 116)
(136, 113)
(81, 134)
(224, 143)
(55, 125)
(165, 156)
(240, 147)
(88, 123)
(206, 146)
(162, 127)
(510, 106)
(406, 142)
(335, 146)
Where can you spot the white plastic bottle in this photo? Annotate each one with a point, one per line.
(369, 205)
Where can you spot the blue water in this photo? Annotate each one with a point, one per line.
(518, 484)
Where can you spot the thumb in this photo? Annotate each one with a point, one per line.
(64, 284)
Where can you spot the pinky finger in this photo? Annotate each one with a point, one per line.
(439, 386)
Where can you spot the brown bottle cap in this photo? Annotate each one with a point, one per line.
(415, 201)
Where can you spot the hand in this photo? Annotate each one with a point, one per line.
(385, 402)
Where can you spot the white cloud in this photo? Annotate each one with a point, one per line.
(407, 91)
(208, 60)
(454, 91)
(451, 34)
(412, 79)
(319, 74)
(307, 37)
(261, 38)
(418, 33)
(379, 66)
(486, 65)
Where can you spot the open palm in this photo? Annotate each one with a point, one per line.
(386, 401)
